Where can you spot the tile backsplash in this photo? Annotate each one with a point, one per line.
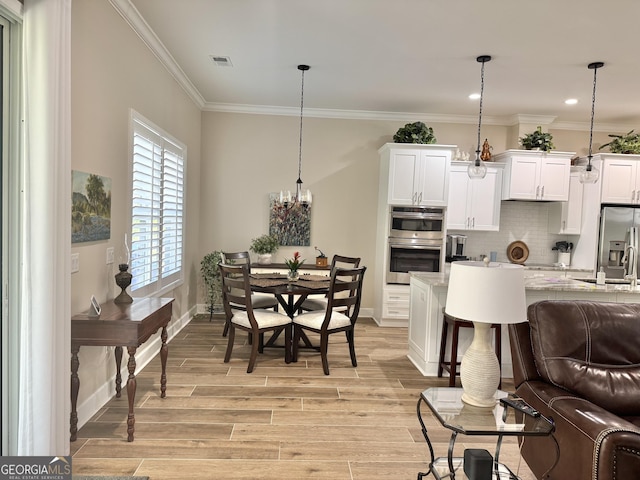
(525, 221)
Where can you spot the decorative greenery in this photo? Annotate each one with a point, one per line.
(322, 255)
(212, 279)
(537, 139)
(629, 143)
(294, 263)
(416, 132)
(265, 244)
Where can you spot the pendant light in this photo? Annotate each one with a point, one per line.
(477, 169)
(590, 173)
(302, 197)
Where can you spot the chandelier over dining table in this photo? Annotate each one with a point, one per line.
(302, 196)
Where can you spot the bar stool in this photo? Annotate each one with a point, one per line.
(452, 365)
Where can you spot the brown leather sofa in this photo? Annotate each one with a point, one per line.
(578, 363)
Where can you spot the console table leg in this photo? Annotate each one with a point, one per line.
(75, 387)
(164, 352)
(131, 392)
(118, 355)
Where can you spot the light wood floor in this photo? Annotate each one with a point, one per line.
(279, 422)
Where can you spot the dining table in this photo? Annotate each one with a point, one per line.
(290, 294)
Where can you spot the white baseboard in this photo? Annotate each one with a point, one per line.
(144, 355)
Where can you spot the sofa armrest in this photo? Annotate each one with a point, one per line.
(606, 446)
(524, 367)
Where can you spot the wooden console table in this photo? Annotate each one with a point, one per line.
(120, 325)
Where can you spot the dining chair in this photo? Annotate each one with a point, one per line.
(338, 261)
(236, 291)
(258, 300)
(340, 315)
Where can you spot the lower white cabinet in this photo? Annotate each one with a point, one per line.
(395, 302)
(566, 217)
(474, 204)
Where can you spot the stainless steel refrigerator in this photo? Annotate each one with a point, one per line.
(619, 230)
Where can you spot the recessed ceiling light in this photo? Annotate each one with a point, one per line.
(474, 96)
(221, 61)
(571, 101)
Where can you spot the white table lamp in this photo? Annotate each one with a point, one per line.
(484, 293)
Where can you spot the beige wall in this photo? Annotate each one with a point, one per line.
(112, 72)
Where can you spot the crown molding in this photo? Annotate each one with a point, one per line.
(132, 16)
(350, 114)
(519, 118)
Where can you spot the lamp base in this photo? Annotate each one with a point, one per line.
(479, 369)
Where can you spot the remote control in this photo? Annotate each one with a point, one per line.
(521, 406)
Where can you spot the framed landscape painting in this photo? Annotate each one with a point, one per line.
(90, 207)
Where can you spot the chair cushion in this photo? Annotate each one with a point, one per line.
(315, 304)
(264, 318)
(263, 300)
(315, 318)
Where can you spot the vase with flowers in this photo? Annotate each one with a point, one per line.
(293, 264)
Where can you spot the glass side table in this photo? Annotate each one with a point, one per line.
(447, 406)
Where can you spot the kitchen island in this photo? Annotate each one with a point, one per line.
(428, 296)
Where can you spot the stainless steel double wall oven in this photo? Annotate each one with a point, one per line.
(416, 239)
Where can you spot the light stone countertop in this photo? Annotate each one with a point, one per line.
(564, 284)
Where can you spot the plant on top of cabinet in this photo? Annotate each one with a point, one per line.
(537, 140)
(416, 132)
(629, 143)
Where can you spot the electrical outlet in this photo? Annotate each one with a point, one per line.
(75, 262)
(109, 255)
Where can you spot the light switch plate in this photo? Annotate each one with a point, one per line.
(75, 262)
(109, 255)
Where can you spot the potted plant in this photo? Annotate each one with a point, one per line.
(212, 281)
(537, 140)
(629, 143)
(416, 132)
(264, 246)
(293, 264)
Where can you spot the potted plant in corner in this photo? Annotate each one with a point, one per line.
(627, 144)
(538, 140)
(212, 281)
(264, 246)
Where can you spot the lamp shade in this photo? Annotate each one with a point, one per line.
(487, 293)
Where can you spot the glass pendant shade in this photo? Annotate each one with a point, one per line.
(589, 174)
(477, 169)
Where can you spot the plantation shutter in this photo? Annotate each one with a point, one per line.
(156, 209)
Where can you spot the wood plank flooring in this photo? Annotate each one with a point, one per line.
(279, 422)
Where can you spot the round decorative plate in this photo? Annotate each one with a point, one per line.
(517, 252)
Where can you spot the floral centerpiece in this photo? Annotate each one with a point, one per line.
(294, 264)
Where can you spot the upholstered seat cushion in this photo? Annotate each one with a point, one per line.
(315, 303)
(315, 318)
(263, 300)
(265, 319)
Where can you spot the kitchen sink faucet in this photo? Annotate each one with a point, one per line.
(631, 265)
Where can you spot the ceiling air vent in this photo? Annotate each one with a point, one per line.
(221, 61)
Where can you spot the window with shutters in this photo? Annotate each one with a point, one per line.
(158, 164)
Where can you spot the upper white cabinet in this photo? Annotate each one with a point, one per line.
(620, 178)
(566, 217)
(535, 175)
(474, 204)
(417, 174)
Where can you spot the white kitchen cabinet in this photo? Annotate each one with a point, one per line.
(535, 175)
(474, 204)
(620, 179)
(417, 174)
(566, 217)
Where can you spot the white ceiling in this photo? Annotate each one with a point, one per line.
(413, 59)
